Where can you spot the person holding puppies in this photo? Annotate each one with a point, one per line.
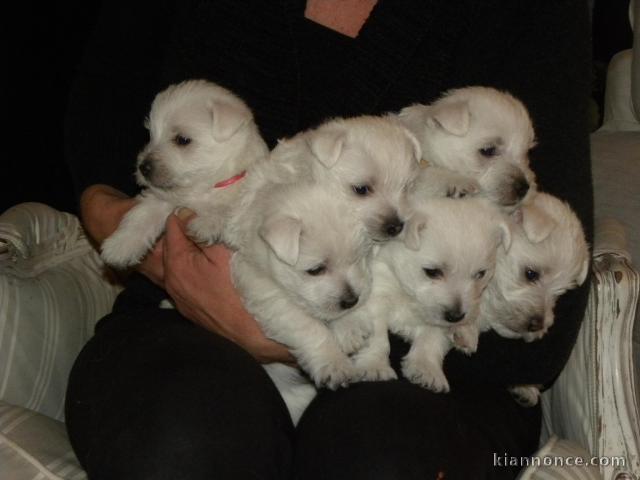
(181, 393)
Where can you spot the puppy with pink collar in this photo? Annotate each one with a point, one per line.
(203, 139)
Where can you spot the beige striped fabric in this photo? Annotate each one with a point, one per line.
(557, 460)
(52, 292)
(34, 447)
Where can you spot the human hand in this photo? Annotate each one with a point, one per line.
(198, 279)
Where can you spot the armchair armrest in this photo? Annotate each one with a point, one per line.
(594, 402)
(53, 289)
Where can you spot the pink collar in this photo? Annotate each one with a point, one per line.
(230, 181)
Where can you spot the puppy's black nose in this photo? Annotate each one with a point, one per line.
(348, 300)
(145, 167)
(521, 187)
(454, 315)
(393, 226)
(536, 322)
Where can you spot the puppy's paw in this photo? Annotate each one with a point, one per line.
(526, 395)
(335, 374)
(375, 371)
(205, 229)
(122, 250)
(533, 336)
(351, 336)
(465, 338)
(464, 187)
(425, 373)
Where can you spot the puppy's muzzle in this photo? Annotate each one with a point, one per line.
(520, 188)
(146, 168)
(348, 299)
(454, 315)
(392, 226)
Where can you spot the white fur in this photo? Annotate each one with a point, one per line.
(455, 130)
(302, 266)
(315, 176)
(375, 155)
(547, 239)
(526, 395)
(223, 141)
(460, 239)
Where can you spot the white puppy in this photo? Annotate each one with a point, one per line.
(302, 267)
(369, 161)
(429, 284)
(203, 139)
(474, 134)
(549, 255)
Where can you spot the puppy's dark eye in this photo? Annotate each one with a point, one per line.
(531, 275)
(490, 151)
(315, 271)
(480, 274)
(181, 140)
(362, 190)
(433, 273)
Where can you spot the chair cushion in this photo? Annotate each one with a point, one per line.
(33, 446)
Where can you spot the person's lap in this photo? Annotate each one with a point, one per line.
(153, 396)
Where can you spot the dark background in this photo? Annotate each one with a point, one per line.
(44, 47)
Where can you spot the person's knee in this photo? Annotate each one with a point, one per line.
(176, 402)
(398, 430)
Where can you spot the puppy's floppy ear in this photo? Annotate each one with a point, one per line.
(228, 118)
(452, 117)
(326, 144)
(505, 234)
(282, 234)
(516, 215)
(584, 271)
(417, 222)
(417, 149)
(414, 117)
(537, 224)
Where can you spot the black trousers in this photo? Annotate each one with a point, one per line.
(152, 396)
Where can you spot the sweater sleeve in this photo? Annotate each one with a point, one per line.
(113, 88)
(547, 65)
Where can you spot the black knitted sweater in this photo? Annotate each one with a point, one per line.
(294, 74)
